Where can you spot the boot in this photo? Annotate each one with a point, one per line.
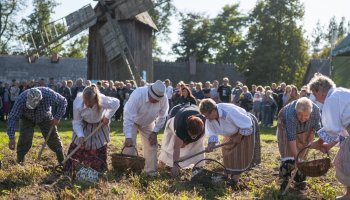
(60, 156)
(20, 158)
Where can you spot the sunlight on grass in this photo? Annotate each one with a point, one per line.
(34, 179)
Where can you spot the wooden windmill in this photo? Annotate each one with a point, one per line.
(109, 55)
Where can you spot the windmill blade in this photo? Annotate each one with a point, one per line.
(80, 20)
(114, 42)
(75, 23)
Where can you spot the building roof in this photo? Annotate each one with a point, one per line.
(343, 48)
(146, 19)
(136, 11)
(322, 66)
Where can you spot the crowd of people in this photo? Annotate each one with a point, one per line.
(188, 111)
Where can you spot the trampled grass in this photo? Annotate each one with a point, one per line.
(37, 179)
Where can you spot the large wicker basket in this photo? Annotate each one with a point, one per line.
(314, 168)
(123, 162)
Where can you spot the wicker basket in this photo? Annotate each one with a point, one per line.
(207, 177)
(314, 168)
(122, 162)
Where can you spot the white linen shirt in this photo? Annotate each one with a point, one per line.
(231, 119)
(335, 114)
(138, 110)
(90, 115)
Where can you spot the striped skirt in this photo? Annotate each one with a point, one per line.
(246, 154)
(342, 162)
(98, 140)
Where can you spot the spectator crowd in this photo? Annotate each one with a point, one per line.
(263, 101)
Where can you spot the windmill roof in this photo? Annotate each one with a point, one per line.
(343, 48)
(146, 19)
(124, 14)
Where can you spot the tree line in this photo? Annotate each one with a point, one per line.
(268, 44)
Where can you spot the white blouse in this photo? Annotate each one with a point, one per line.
(232, 119)
(335, 114)
(90, 115)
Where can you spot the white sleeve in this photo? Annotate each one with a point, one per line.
(77, 119)
(164, 107)
(210, 133)
(130, 113)
(240, 119)
(331, 117)
(110, 104)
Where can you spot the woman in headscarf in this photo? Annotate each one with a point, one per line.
(183, 136)
(89, 110)
(236, 125)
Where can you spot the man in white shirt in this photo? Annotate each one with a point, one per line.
(146, 112)
(336, 125)
(169, 91)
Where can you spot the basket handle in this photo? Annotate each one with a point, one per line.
(209, 159)
(303, 149)
(137, 153)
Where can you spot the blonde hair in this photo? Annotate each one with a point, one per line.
(92, 92)
(320, 82)
(206, 106)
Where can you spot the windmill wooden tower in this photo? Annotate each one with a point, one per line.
(120, 38)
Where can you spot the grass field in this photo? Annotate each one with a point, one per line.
(37, 180)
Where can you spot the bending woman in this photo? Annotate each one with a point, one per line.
(183, 135)
(89, 110)
(236, 125)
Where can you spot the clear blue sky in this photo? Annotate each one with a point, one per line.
(315, 10)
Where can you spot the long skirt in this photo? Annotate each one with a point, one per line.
(94, 151)
(6, 107)
(342, 162)
(167, 150)
(302, 139)
(95, 158)
(241, 157)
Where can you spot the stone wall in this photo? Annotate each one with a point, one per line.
(17, 67)
(203, 72)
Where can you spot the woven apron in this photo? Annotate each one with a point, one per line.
(246, 154)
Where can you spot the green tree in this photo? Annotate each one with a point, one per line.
(161, 13)
(78, 48)
(226, 36)
(194, 38)
(8, 26)
(317, 37)
(279, 51)
(37, 26)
